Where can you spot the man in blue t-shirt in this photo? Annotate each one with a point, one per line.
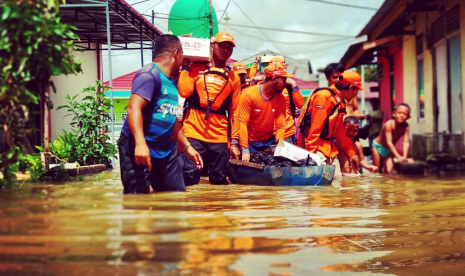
(147, 146)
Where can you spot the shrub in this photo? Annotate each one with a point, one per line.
(34, 45)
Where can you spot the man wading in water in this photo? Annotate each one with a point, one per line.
(148, 154)
(212, 94)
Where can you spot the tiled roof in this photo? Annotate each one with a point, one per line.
(122, 83)
(306, 84)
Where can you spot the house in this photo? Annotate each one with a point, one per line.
(419, 48)
(128, 30)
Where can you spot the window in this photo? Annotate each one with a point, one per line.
(123, 116)
(419, 40)
(114, 118)
(421, 89)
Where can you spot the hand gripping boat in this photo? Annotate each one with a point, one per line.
(250, 173)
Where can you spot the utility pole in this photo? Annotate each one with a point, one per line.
(153, 42)
(211, 18)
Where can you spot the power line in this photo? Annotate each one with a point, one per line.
(256, 26)
(288, 31)
(289, 43)
(344, 5)
(225, 11)
(153, 6)
(139, 2)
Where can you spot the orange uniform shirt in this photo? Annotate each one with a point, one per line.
(258, 116)
(215, 129)
(320, 107)
(253, 70)
(298, 102)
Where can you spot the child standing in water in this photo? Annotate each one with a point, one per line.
(351, 128)
(383, 149)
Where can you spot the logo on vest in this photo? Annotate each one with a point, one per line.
(273, 110)
(167, 108)
(212, 79)
(257, 110)
(165, 92)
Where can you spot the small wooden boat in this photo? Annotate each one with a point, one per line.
(250, 173)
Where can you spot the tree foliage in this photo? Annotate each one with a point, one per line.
(87, 143)
(34, 45)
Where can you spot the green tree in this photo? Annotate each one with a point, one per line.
(371, 72)
(34, 45)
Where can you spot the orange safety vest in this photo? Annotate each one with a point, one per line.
(209, 94)
(329, 123)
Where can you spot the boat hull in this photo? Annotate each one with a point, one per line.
(283, 176)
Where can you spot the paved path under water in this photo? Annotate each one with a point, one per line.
(376, 224)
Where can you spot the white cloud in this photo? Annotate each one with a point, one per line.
(300, 15)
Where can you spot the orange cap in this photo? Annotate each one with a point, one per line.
(276, 70)
(239, 68)
(276, 60)
(351, 78)
(223, 37)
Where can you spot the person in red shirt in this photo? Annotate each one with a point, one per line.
(212, 93)
(262, 112)
(326, 110)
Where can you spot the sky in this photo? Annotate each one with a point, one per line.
(336, 28)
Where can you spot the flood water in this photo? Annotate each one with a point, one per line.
(392, 225)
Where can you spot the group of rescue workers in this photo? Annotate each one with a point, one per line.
(228, 114)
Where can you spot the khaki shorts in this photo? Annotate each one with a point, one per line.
(337, 180)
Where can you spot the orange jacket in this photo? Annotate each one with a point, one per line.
(298, 102)
(258, 116)
(321, 105)
(215, 129)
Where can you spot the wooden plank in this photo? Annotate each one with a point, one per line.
(354, 58)
(372, 44)
(395, 12)
(246, 164)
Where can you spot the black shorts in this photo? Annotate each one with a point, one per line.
(166, 174)
(215, 158)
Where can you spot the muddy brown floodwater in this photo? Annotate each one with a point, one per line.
(392, 225)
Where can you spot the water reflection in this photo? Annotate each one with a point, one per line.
(391, 225)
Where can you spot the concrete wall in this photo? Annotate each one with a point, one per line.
(72, 85)
(410, 83)
(462, 57)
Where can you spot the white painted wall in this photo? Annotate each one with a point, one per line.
(72, 85)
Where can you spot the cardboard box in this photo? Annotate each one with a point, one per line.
(294, 153)
(195, 49)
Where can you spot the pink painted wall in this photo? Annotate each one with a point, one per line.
(384, 92)
(398, 73)
(385, 85)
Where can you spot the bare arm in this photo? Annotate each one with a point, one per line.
(363, 162)
(389, 143)
(178, 135)
(406, 144)
(136, 125)
(356, 112)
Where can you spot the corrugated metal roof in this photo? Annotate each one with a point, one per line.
(379, 15)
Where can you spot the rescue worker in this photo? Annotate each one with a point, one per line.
(322, 123)
(294, 100)
(262, 110)
(212, 93)
(239, 69)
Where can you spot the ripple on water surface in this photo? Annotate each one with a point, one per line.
(376, 224)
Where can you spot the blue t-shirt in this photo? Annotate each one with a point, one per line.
(159, 115)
